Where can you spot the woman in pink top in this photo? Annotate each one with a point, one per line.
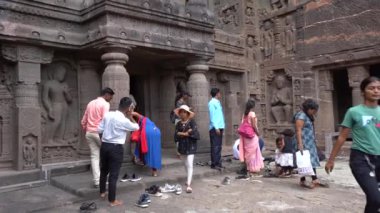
(249, 149)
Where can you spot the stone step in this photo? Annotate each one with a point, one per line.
(9, 178)
(81, 184)
(24, 185)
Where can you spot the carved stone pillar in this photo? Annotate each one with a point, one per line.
(115, 75)
(167, 96)
(355, 75)
(199, 89)
(87, 92)
(28, 112)
(325, 122)
(309, 89)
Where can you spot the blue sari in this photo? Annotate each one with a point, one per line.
(153, 157)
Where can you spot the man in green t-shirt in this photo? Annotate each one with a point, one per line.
(364, 121)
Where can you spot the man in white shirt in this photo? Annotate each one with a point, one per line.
(113, 132)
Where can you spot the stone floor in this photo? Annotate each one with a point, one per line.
(260, 195)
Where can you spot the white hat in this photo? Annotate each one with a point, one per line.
(186, 108)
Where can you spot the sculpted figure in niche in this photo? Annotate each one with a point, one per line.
(277, 4)
(267, 40)
(55, 98)
(29, 151)
(249, 15)
(229, 17)
(281, 101)
(289, 36)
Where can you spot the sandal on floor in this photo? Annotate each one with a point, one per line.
(88, 206)
(303, 184)
(321, 184)
(189, 189)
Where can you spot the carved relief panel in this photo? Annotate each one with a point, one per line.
(229, 15)
(60, 111)
(7, 119)
(280, 97)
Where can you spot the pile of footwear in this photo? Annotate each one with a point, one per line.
(156, 191)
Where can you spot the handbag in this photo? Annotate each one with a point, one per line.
(304, 166)
(136, 135)
(245, 129)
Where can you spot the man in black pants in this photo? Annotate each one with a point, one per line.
(217, 126)
(113, 132)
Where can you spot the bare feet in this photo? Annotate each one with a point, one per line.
(103, 195)
(154, 173)
(116, 203)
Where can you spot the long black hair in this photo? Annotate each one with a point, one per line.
(309, 104)
(367, 81)
(248, 106)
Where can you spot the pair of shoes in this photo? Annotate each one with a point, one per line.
(88, 206)
(177, 189)
(242, 177)
(154, 190)
(167, 188)
(143, 201)
(226, 181)
(134, 178)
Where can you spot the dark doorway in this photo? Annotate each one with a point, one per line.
(137, 90)
(374, 70)
(342, 96)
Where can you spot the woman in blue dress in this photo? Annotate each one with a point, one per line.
(150, 139)
(305, 137)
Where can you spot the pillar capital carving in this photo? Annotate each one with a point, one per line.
(356, 74)
(197, 65)
(115, 57)
(27, 53)
(112, 47)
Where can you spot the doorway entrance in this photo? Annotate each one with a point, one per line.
(137, 89)
(342, 96)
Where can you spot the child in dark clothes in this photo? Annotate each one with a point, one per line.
(285, 153)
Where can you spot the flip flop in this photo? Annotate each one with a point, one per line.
(88, 206)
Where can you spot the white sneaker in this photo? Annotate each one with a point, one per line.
(178, 189)
(167, 188)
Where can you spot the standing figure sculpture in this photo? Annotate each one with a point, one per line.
(289, 36)
(56, 98)
(267, 40)
(281, 100)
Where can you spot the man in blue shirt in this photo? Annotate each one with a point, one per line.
(217, 126)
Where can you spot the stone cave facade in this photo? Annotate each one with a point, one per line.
(56, 55)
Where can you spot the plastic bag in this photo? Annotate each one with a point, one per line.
(304, 166)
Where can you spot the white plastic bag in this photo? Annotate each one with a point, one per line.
(304, 166)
